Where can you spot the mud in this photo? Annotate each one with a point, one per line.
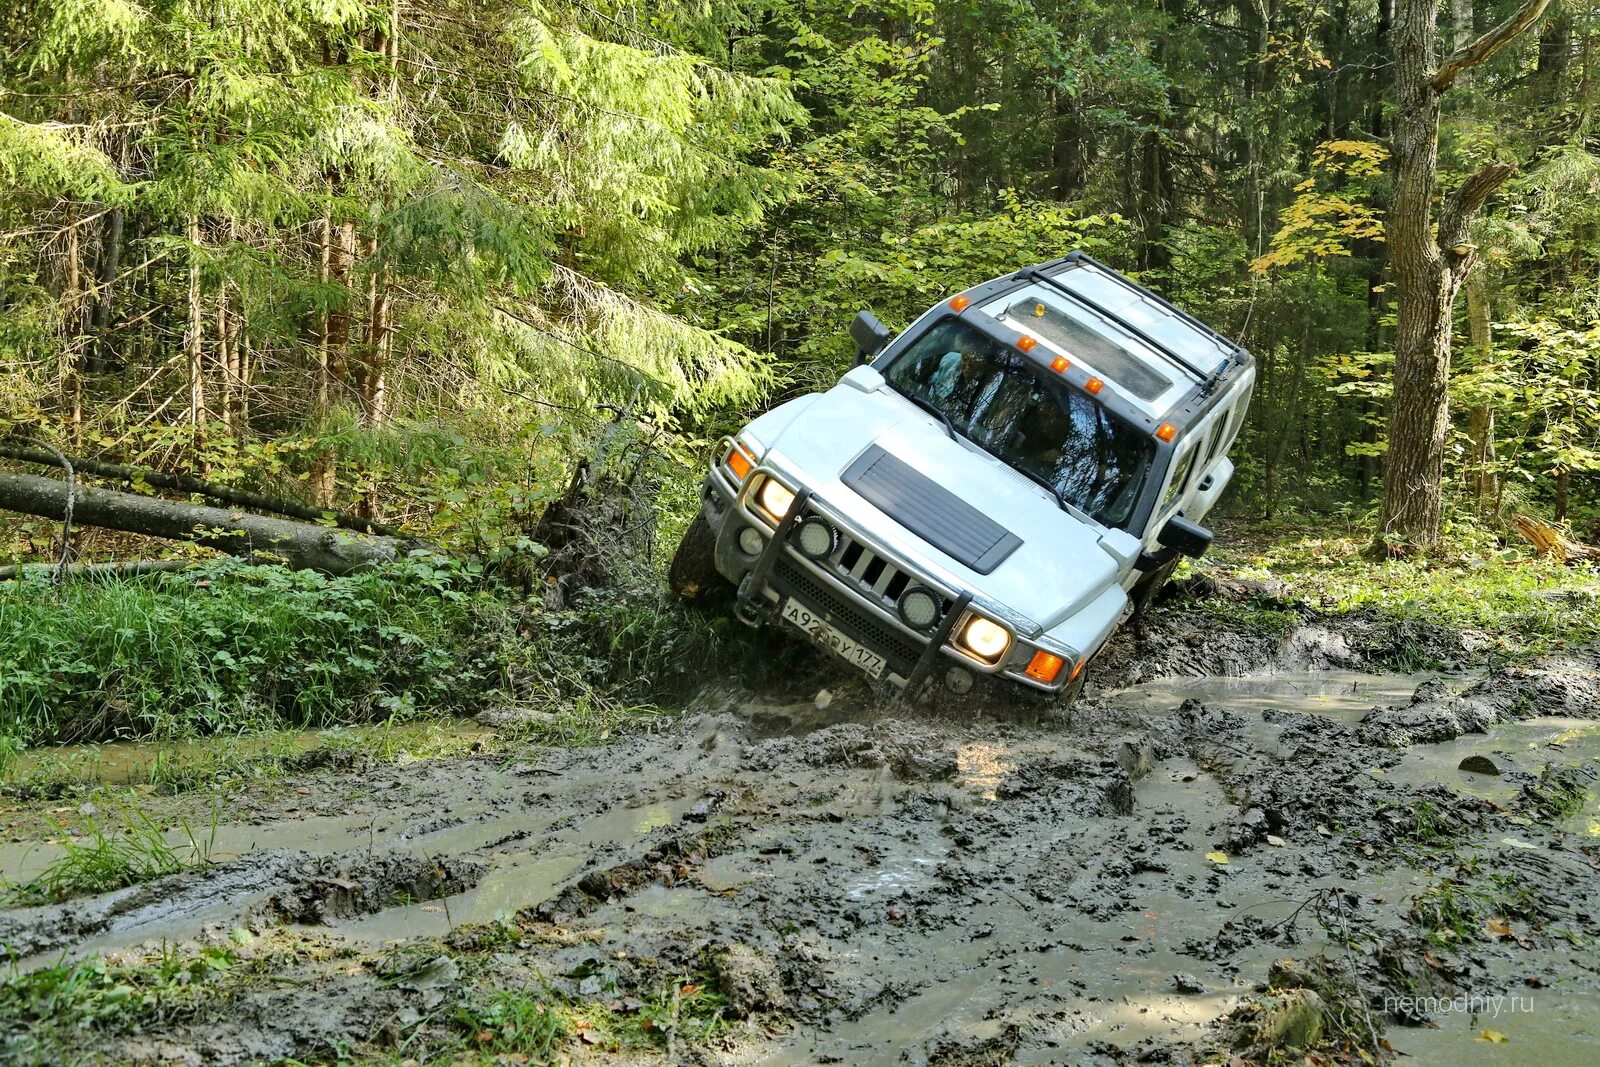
(1191, 866)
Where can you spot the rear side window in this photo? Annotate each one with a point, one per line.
(1180, 475)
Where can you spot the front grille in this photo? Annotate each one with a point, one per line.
(877, 577)
(902, 651)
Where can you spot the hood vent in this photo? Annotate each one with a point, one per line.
(930, 511)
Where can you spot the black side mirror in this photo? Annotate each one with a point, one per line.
(1181, 535)
(869, 334)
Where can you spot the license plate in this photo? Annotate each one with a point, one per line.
(823, 634)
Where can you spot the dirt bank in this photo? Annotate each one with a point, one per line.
(1178, 868)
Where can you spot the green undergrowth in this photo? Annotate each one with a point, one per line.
(234, 647)
(233, 650)
(1524, 605)
(487, 1006)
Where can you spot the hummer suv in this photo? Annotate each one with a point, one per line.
(992, 492)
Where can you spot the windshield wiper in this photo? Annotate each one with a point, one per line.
(950, 428)
(930, 408)
(1045, 482)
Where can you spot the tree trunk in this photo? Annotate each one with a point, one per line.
(194, 339)
(298, 545)
(1482, 479)
(180, 483)
(1428, 271)
(101, 353)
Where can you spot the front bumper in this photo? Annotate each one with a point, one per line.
(854, 589)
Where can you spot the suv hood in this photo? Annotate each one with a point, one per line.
(1061, 564)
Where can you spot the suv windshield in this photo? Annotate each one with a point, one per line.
(1002, 401)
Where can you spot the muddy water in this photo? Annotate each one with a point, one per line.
(923, 887)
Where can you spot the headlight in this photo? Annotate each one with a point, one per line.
(985, 639)
(774, 499)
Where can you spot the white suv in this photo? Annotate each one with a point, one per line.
(993, 492)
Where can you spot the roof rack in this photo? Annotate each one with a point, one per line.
(1034, 274)
(1076, 257)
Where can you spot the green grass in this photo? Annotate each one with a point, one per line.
(114, 852)
(48, 1010)
(511, 1021)
(234, 647)
(1458, 908)
(1526, 606)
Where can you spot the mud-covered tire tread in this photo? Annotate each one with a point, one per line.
(693, 574)
(1144, 591)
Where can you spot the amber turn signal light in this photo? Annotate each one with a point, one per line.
(738, 464)
(959, 303)
(1044, 667)
(1166, 431)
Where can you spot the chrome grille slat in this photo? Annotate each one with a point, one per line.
(889, 571)
(861, 558)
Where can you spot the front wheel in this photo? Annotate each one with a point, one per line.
(1144, 591)
(693, 574)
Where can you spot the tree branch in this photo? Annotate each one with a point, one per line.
(1461, 207)
(1480, 51)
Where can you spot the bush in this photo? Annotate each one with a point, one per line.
(233, 646)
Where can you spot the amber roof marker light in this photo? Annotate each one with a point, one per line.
(1060, 364)
(1166, 431)
(960, 303)
(1026, 343)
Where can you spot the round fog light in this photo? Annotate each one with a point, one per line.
(919, 608)
(816, 538)
(751, 542)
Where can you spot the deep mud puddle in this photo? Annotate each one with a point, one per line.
(905, 886)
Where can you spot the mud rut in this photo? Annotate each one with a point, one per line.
(882, 885)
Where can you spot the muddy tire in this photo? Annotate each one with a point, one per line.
(1144, 591)
(693, 574)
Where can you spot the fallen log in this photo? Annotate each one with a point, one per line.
(183, 483)
(299, 545)
(1549, 541)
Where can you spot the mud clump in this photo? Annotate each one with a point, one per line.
(1181, 643)
(1104, 784)
(123, 912)
(1565, 685)
(748, 980)
(665, 864)
(996, 1051)
(911, 752)
(331, 888)
(1559, 793)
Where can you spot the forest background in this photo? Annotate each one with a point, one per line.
(409, 262)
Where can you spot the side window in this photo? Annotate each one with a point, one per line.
(1214, 445)
(1180, 475)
